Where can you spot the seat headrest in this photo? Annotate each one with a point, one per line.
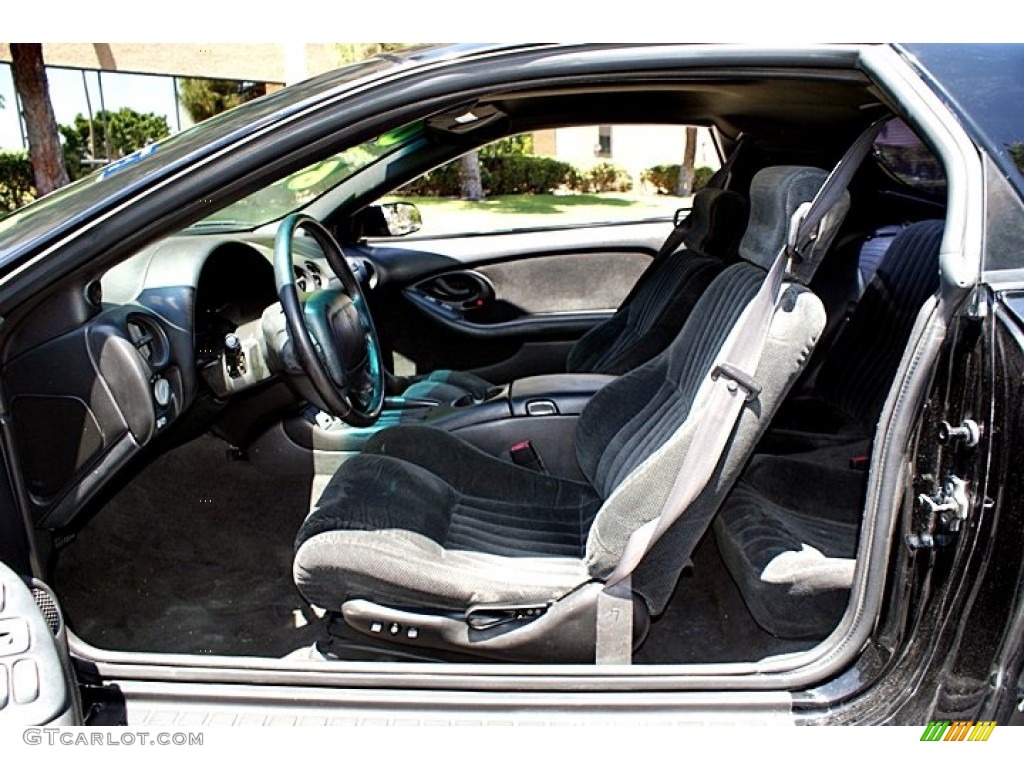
(716, 223)
(775, 195)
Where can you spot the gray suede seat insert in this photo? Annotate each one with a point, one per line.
(653, 312)
(788, 532)
(421, 519)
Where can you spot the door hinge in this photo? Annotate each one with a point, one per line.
(940, 514)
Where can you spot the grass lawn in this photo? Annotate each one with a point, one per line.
(449, 216)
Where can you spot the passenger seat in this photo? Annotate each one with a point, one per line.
(788, 531)
(847, 395)
(651, 315)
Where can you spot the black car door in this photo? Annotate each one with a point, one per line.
(503, 286)
(508, 304)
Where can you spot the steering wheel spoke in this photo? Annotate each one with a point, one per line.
(331, 330)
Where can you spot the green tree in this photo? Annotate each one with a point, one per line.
(350, 53)
(124, 132)
(16, 181)
(520, 144)
(203, 98)
(470, 174)
(1017, 153)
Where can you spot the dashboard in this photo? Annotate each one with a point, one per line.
(111, 365)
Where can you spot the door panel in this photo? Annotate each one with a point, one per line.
(510, 304)
(567, 283)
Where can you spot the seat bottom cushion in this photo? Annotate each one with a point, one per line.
(423, 518)
(788, 535)
(807, 423)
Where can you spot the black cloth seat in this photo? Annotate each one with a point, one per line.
(460, 510)
(788, 535)
(424, 521)
(788, 532)
(850, 388)
(653, 312)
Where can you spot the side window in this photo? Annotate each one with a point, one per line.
(905, 156)
(564, 177)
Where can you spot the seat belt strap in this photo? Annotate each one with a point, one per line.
(834, 187)
(733, 386)
(722, 178)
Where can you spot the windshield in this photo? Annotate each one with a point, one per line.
(306, 185)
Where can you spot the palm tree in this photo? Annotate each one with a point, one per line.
(33, 89)
(684, 187)
(470, 184)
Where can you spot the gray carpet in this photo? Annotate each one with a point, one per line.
(193, 556)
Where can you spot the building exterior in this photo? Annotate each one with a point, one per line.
(630, 147)
(86, 78)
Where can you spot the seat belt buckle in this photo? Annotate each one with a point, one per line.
(525, 455)
(738, 378)
(859, 462)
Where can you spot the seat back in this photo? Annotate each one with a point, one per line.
(658, 305)
(635, 433)
(788, 532)
(856, 375)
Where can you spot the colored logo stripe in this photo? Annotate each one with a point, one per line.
(959, 730)
(935, 730)
(982, 730)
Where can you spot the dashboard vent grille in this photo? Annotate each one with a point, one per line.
(148, 339)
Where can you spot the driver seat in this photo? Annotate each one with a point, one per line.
(426, 542)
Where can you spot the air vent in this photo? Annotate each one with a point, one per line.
(94, 294)
(147, 337)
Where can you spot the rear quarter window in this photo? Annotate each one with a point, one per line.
(907, 159)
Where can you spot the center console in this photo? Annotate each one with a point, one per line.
(540, 410)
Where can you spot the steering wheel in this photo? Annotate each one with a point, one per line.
(331, 331)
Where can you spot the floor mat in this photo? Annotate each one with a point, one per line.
(707, 621)
(193, 556)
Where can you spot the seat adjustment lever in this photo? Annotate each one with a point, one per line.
(489, 616)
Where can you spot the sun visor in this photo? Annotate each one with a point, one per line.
(482, 122)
